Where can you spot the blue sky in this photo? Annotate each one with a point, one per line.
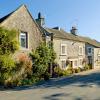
(85, 14)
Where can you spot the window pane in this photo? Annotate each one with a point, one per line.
(98, 58)
(63, 49)
(89, 50)
(23, 40)
(63, 64)
(80, 61)
(75, 63)
(80, 50)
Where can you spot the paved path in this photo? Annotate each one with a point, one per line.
(82, 86)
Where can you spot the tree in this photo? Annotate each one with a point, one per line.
(41, 58)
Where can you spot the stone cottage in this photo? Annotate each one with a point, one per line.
(71, 47)
(30, 34)
(68, 48)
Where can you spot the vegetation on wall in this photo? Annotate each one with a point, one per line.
(8, 41)
(41, 59)
(8, 46)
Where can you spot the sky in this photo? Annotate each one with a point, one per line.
(84, 14)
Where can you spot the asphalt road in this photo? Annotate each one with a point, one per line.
(82, 86)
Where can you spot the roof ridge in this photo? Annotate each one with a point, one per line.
(74, 38)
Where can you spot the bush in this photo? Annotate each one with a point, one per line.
(87, 67)
(8, 41)
(7, 65)
(60, 72)
(41, 59)
(77, 70)
(46, 76)
(23, 67)
(14, 75)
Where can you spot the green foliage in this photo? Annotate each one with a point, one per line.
(7, 65)
(77, 70)
(70, 69)
(46, 76)
(87, 67)
(41, 57)
(60, 72)
(8, 46)
(22, 70)
(8, 42)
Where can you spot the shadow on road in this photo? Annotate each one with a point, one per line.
(79, 80)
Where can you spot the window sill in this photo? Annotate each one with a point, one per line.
(80, 54)
(25, 49)
(63, 54)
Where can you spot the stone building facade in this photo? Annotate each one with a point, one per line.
(69, 47)
(30, 34)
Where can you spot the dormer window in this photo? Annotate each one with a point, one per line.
(23, 40)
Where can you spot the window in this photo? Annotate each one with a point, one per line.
(63, 49)
(89, 59)
(89, 50)
(80, 50)
(99, 58)
(63, 63)
(80, 61)
(23, 40)
(75, 63)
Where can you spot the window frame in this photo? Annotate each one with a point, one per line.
(80, 61)
(65, 49)
(81, 53)
(88, 50)
(98, 57)
(75, 65)
(26, 39)
(64, 65)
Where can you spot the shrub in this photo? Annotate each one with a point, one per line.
(41, 59)
(8, 46)
(87, 67)
(77, 70)
(70, 70)
(8, 41)
(7, 65)
(46, 76)
(23, 66)
(60, 72)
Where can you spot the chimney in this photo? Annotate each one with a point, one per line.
(73, 30)
(57, 28)
(40, 20)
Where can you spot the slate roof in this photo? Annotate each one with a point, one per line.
(5, 17)
(64, 35)
(8, 15)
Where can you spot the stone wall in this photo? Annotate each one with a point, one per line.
(22, 21)
(72, 51)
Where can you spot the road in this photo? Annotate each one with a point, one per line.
(82, 86)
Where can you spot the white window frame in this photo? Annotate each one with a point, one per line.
(80, 59)
(98, 57)
(82, 50)
(26, 41)
(65, 49)
(61, 63)
(74, 63)
(88, 50)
